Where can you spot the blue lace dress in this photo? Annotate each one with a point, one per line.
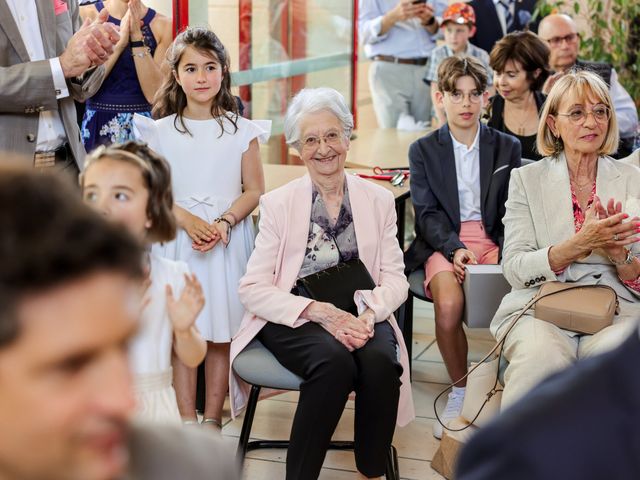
(109, 113)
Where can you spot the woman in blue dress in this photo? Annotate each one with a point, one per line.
(133, 71)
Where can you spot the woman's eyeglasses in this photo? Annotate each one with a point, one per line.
(312, 142)
(458, 96)
(578, 116)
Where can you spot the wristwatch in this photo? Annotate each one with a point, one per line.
(452, 254)
(627, 261)
(137, 43)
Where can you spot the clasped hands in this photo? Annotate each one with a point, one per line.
(205, 235)
(353, 332)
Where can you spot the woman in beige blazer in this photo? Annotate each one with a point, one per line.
(569, 218)
(306, 226)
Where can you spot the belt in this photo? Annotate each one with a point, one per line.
(49, 158)
(404, 61)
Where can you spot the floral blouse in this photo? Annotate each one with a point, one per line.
(327, 244)
(578, 220)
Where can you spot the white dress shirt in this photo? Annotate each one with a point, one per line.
(51, 132)
(468, 176)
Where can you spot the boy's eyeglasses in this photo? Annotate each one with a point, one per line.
(557, 41)
(312, 142)
(578, 116)
(458, 97)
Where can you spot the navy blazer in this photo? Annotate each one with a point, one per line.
(434, 190)
(488, 29)
(582, 423)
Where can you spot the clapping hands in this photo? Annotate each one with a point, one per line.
(184, 310)
(90, 46)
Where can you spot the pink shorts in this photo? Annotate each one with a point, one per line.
(473, 235)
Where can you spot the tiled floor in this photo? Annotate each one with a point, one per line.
(414, 442)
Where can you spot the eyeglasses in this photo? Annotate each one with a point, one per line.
(557, 41)
(312, 142)
(578, 116)
(458, 96)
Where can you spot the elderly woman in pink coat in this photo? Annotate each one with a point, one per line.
(306, 226)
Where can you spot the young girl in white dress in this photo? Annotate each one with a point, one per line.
(131, 185)
(217, 183)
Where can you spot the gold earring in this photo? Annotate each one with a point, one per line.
(557, 144)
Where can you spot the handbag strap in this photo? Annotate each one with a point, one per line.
(499, 344)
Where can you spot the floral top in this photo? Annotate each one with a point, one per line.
(328, 244)
(578, 220)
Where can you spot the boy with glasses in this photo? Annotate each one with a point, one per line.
(459, 181)
(561, 34)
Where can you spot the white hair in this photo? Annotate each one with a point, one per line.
(312, 100)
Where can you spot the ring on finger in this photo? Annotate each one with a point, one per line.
(616, 237)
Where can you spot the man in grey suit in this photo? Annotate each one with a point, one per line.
(48, 59)
(69, 305)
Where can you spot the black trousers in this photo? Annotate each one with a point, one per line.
(330, 374)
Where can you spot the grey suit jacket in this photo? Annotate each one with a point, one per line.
(179, 453)
(26, 87)
(540, 214)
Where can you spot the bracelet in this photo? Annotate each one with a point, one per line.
(233, 217)
(144, 53)
(627, 261)
(222, 219)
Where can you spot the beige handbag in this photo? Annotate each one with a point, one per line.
(584, 309)
(580, 308)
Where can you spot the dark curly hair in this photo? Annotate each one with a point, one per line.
(50, 237)
(156, 174)
(171, 99)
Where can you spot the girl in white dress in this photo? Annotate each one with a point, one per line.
(131, 185)
(217, 183)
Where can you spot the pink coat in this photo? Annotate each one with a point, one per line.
(279, 252)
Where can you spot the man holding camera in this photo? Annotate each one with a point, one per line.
(399, 35)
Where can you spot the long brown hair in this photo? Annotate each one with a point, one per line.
(171, 99)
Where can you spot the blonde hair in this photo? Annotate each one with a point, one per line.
(579, 84)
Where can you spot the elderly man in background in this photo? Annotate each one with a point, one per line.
(46, 62)
(399, 35)
(561, 34)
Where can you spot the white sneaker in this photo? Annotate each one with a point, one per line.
(451, 410)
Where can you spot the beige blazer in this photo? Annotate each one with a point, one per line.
(633, 159)
(279, 252)
(26, 87)
(539, 214)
